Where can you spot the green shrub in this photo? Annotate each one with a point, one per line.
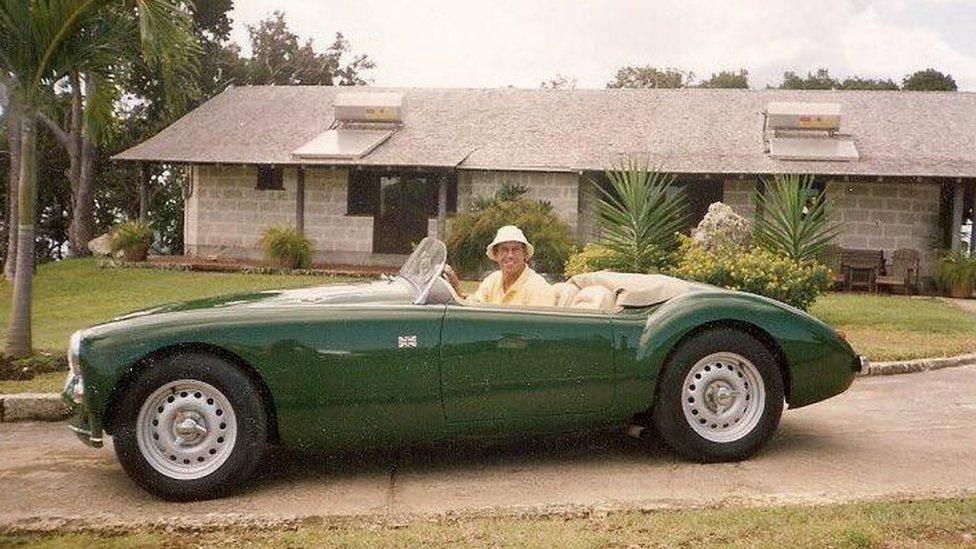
(285, 247)
(593, 257)
(472, 231)
(640, 216)
(955, 268)
(755, 270)
(131, 235)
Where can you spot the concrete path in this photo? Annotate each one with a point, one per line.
(895, 436)
(964, 304)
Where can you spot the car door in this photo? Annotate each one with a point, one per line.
(501, 363)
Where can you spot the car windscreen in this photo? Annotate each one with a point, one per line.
(426, 262)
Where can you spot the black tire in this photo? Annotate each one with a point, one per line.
(669, 414)
(250, 438)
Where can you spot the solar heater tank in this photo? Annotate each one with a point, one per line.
(803, 116)
(369, 107)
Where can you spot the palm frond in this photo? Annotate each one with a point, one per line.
(640, 214)
(795, 218)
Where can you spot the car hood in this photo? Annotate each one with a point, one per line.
(393, 291)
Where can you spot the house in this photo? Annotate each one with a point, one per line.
(364, 172)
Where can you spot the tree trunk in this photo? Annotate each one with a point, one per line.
(75, 146)
(13, 134)
(19, 330)
(144, 197)
(80, 230)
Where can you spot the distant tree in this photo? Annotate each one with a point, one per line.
(651, 77)
(279, 58)
(819, 80)
(858, 83)
(559, 82)
(727, 79)
(928, 80)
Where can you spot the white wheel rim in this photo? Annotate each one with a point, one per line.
(723, 397)
(186, 429)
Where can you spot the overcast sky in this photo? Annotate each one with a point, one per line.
(459, 43)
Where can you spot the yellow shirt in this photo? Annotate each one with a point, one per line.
(529, 290)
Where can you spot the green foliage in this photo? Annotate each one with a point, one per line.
(755, 270)
(818, 80)
(471, 231)
(640, 216)
(794, 218)
(955, 268)
(285, 247)
(280, 58)
(727, 79)
(651, 77)
(929, 80)
(594, 257)
(858, 83)
(131, 235)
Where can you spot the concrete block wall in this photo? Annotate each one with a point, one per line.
(226, 214)
(888, 216)
(875, 215)
(559, 189)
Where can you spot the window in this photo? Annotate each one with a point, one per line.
(270, 178)
(363, 192)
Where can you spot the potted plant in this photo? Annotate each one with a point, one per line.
(133, 239)
(956, 273)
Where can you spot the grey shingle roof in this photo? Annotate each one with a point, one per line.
(690, 130)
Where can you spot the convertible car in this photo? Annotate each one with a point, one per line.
(194, 393)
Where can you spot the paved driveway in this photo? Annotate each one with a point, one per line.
(895, 436)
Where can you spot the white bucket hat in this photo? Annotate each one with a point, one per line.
(509, 233)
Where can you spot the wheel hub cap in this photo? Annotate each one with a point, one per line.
(723, 397)
(186, 429)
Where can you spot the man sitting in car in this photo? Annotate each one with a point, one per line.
(514, 283)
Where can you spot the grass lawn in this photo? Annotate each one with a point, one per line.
(73, 294)
(940, 523)
(885, 327)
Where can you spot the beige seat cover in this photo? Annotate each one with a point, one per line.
(635, 290)
(597, 298)
(565, 293)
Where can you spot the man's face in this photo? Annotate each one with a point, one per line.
(511, 257)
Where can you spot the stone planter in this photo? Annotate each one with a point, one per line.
(137, 253)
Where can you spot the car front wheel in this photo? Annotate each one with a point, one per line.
(720, 397)
(192, 426)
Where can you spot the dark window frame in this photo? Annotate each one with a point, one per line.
(270, 177)
(363, 191)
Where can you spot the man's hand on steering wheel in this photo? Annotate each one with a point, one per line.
(452, 278)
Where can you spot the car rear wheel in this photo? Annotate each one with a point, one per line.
(192, 426)
(720, 397)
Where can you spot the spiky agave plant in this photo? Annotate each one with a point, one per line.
(795, 218)
(640, 215)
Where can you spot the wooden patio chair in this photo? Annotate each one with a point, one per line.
(903, 272)
(861, 268)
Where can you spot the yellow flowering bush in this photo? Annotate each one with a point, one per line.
(755, 270)
(593, 257)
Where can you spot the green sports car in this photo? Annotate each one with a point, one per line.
(194, 393)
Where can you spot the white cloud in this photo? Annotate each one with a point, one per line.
(521, 43)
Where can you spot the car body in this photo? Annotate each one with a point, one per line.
(401, 360)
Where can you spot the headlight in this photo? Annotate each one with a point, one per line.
(74, 349)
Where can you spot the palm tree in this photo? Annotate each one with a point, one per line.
(43, 42)
(794, 218)
(640, 215)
